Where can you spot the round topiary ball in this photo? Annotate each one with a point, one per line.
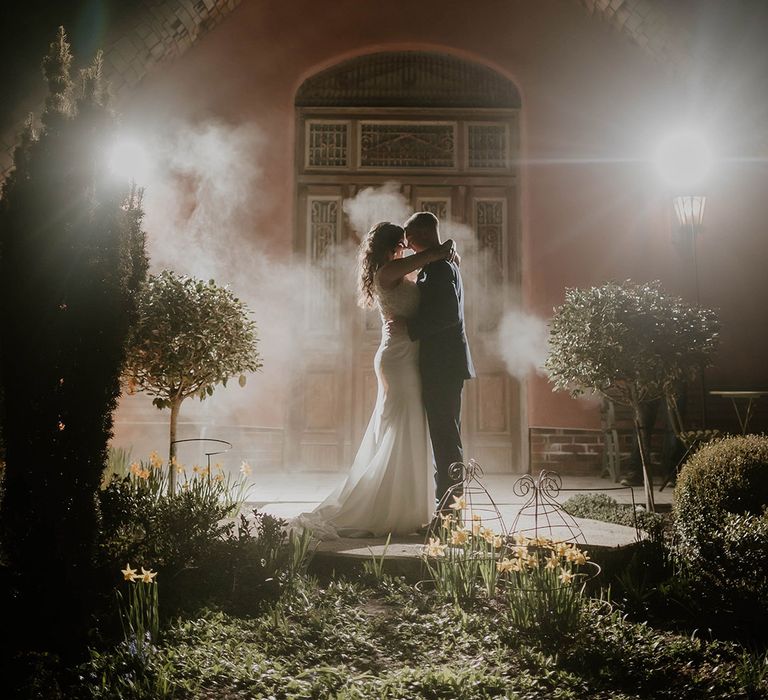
(720, 511)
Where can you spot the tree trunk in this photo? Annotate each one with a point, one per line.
(175, 408)
(641, 431)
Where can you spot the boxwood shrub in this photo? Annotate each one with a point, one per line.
(721, 517)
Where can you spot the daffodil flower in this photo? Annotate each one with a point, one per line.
(147, 576)
(128, 573)
(434, 548)
(521, 539)
(459, 503)
(460, 536)
(245, 469)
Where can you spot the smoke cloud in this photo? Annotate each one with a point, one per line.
(523, 343)
(202, 201)
(375, 204)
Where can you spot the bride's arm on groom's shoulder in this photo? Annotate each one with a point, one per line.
(390, 273)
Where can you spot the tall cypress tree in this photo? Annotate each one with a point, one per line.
(71, 262)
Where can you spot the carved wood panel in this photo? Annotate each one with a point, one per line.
(324, 218)
(406, 145)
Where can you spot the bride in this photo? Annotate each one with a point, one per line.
(389, 488)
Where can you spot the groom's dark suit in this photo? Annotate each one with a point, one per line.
(444, 362)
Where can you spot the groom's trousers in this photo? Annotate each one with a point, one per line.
(442, 401)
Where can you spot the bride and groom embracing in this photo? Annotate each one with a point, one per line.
(420, 366)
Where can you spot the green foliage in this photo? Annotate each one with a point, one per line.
(601, 506)
(139, 610)
(190, 336)
(71, 262)
(343, 641)
(374, 567)
(630, 342)
(170, 531)
(721, 519)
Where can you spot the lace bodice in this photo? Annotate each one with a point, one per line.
(402, 300)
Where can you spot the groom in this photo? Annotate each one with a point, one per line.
(444, 358)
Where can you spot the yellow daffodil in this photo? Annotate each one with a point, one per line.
(147, 576)
(532, 561)
(576, 556)
(552, 561)
(520, 551)
(219, 477)
(476, 516)
(566, 576)
(135, 468)
(520, 539)
(434, 548)
(497, 541)
(508, 565)
(447, 519)
(143, 474)
(245, 469)
(155, 461)
(561, 548)
(128, 573)
(459, 503)
(477, 528)
(459, 536)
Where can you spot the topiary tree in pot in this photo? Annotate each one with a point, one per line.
(631, 343)
(190, 336)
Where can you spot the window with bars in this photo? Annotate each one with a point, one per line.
(487, 147)
(327, 144)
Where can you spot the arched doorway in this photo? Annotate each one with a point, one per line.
(446, 131)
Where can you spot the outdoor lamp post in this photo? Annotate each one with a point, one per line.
(690, 215)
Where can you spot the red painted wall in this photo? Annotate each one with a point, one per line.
(593, 107)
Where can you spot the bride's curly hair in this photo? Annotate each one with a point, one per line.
(380, 240)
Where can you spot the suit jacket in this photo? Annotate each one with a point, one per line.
(439, 323)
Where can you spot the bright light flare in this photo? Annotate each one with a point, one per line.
(684, 159)
(129, 159)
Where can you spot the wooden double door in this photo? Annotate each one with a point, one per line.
(335, 388)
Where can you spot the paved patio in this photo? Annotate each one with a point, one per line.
(288, 494)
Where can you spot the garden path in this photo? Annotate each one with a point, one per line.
(288, 494)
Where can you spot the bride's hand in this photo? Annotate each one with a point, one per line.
(446, 251)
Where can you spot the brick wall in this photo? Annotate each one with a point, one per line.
(573, 452)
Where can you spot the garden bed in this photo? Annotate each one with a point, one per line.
(388, 640)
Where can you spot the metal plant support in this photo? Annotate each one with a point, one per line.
(549, 518)
(214, 450)
(479, 503)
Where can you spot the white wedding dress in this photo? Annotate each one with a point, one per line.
(390, 485)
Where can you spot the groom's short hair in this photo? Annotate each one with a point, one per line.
(421, 221)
